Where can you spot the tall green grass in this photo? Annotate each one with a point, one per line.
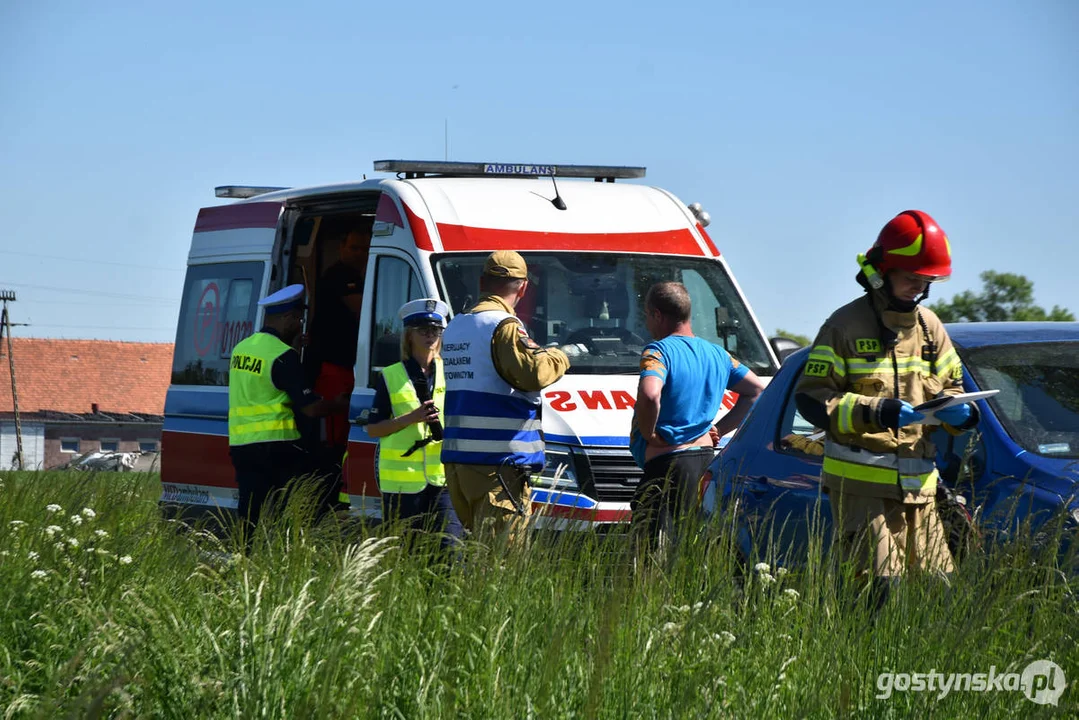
(157, 619)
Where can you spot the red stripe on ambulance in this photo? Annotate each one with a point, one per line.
(674, 242)
(419, 229)
(238, 216)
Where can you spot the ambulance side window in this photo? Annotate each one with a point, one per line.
(395, 284)
(217, 311)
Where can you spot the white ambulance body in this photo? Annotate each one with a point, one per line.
(431, 229)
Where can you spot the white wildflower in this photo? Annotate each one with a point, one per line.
(671, 627)
(4, 553)
(125, 560)
(53, 529)
(39, 574)
(767, 579)
(101, 533)
(60, 547)
(54, 508)
(103, 551)
(791, 593)
(76, 520)
(90, 550)
(762, 567)
(697, 606)
(73, 542)
(725, 637)
(32, 555)
(88, 513)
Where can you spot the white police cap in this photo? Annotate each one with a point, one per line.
(425, 311)
(285, 299)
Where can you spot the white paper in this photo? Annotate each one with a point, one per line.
(938, 404)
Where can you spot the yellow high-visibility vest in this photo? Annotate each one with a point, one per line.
(258, 411)
(399, 474)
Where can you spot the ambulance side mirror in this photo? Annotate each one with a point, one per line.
(783, 347)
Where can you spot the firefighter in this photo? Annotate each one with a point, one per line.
(266, 390)
(406, 417)
(873, 360)
(494, 375)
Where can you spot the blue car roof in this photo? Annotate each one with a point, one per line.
(972, 335)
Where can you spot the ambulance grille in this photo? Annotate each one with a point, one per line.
(614, 475)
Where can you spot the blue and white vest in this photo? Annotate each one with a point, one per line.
(487, 420)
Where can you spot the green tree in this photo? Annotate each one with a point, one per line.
(1004, 296)
(800, 339)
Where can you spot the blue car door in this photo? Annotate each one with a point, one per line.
(784, 510)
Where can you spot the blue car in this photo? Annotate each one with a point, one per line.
(1020, 465)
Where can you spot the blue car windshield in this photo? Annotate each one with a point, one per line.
(1038, 403)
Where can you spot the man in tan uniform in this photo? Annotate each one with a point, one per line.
(494, 375)
(872, 362)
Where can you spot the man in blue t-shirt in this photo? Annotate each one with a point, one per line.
(683, 379)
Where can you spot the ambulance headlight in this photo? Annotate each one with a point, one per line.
(560, 472)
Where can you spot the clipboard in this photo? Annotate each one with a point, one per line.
(931, 407)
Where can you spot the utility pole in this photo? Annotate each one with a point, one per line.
(5, 326)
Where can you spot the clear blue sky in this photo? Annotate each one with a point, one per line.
(801, 126)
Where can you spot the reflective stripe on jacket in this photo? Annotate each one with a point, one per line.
(397, 473)
(488, 421)
(850, 371)
(258, 411)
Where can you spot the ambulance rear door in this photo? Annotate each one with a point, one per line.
(229, 269)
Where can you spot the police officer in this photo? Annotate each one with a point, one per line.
(871, 363)
(494, 375)
(266, 390)
(406, 417)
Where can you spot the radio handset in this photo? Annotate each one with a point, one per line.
(423, 394)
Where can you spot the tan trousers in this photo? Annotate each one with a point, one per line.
(482, 504)
(889, 537)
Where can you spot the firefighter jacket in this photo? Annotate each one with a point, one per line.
(865, 361)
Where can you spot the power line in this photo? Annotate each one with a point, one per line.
(100, 293)
(99, 327)
(91, 262)
(81, 304)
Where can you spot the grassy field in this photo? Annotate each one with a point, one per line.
(109, 610)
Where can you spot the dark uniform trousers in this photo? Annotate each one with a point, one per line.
(265, 469)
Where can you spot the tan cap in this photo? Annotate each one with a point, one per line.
(506, 264)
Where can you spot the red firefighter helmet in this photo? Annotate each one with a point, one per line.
(912, 241)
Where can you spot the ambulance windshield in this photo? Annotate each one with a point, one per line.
(596, 300)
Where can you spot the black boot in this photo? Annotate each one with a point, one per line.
(880, 592)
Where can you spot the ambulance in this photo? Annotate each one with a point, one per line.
(593, 242)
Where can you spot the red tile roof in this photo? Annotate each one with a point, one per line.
(72, 375)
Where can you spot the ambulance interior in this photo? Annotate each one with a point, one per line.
(597, 300)
(317, 237)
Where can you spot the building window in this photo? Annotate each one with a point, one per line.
(110, 445)
(147, 446)
(69, 445)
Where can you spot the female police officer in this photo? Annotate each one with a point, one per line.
(406, 419)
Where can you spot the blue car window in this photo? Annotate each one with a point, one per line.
(795, 434)
(1038, 403)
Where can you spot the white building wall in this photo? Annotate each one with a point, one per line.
(33, 444)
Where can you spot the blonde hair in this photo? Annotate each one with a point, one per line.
(406, 344)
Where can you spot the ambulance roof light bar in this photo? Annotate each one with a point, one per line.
(420, 168)
(242, 192)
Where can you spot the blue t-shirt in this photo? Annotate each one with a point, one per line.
(695, 374)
